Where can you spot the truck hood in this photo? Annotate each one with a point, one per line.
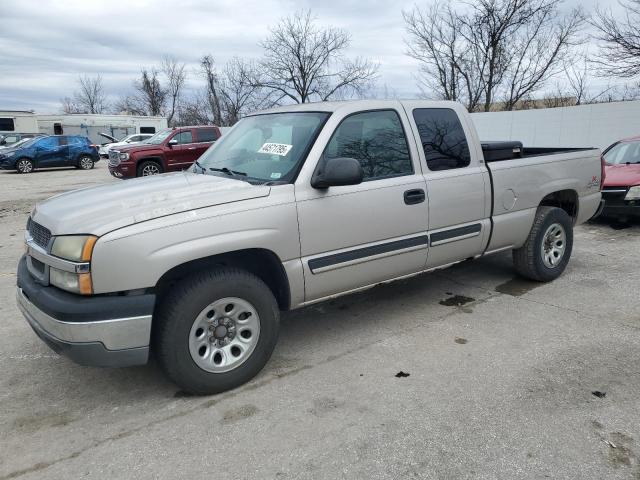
(138, 147)
(101, 209)
(622, 175)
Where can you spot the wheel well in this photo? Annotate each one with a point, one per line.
(149, 159)
(261, 262)
(564, 199)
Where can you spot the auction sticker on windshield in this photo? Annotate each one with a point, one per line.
(275, 149)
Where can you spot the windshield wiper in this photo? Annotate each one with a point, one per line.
(228, 171)
(198, 165)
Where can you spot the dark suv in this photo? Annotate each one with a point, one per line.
(50, 151)
(168, 150)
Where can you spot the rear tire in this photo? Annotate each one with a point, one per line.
(85, 162)
(149, 168)
(24, 165)
(204, 318)
(546, 253)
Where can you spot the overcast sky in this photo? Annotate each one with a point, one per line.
(46, 45)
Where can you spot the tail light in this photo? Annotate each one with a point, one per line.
(603, 171)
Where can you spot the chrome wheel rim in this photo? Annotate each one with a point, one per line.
(150, 170)
(86, 163)
(25, 166)
(553, 246)
(224, 335)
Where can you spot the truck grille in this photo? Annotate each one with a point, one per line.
(114, 158)
(614, 193)
(41, 235)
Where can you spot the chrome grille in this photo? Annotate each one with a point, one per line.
(41, 235)
(114, 158)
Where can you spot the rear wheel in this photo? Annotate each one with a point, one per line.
(546, 253)
(149, 168)
(85, 162)
(216, 331)
(24, 165)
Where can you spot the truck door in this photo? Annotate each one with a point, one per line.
(359, 235)
(458, 185)
(183, 152)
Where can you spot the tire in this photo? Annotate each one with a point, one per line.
(85, 162)
(24, 165)
(547, 251)
(148, 168)
(188, 356)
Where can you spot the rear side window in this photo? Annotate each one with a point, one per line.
(377, 140)
(7, 125)
(442, 137)
(77, 141)
(48, 143)
(184, 137)
(207, 134)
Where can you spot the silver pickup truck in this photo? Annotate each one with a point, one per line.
(293, 206)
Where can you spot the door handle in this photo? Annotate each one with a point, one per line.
(412, 197)
(192, 148)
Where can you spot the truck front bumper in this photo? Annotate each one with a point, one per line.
(106, 331)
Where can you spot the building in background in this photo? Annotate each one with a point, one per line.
(88, 125)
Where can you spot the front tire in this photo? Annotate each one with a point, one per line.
(216, 330)
(85, 162)
(149, 168)
(547, 250)
(24, 165)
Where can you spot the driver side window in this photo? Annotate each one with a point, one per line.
(48, 143)
(184, 137)
(377, 140)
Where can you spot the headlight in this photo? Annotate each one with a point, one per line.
(633, 193)
(71, 282)
(75, 248)
(123, 156)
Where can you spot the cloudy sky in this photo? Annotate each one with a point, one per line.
(46, 45)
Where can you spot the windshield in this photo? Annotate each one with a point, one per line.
(622, 153)
(25, 142)
(263, 148)
(159, 137)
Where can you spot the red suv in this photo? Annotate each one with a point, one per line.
(169, 150)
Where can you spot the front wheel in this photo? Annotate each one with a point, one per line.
(149, 168)
(85, 162)
(216, 330)
(24, 165)
(547, 250)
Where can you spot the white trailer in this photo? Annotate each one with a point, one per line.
(18, 121)
(91, 125)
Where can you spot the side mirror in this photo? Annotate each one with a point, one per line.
(337, 172)
(172, 142)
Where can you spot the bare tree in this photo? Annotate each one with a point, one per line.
(151, 95)
(491, 49)
(212, 87)
(619, 53)
(91, 96)
(129, 105)
(69, 105)
(435, 40)
(176, 78)
(539, 50)
(241, 90)
(303, 62)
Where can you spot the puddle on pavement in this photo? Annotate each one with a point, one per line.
(461, 340)
(456, 301)
(517, 287)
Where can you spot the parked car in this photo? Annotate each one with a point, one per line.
(621, 189)
(168, 150)
(104, 149)
(50, 151)
(9, 139)
(293, 206)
